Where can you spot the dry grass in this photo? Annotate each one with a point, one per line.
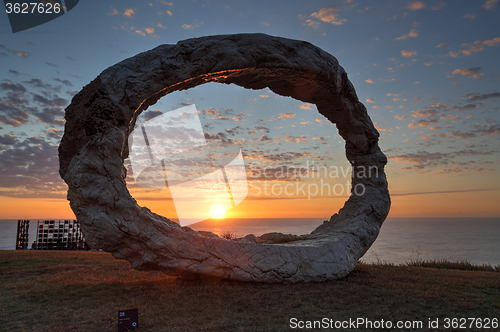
(83, 291)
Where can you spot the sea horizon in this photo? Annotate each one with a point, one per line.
(401, 240)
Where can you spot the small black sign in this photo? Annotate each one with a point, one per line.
(128, 320)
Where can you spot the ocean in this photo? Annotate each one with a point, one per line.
(400, 240)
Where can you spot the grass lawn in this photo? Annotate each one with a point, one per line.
(83, 291)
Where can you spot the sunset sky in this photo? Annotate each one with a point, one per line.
(427, 71)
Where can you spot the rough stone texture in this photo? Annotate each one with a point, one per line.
(100, 118)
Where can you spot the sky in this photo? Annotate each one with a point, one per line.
(427, 72)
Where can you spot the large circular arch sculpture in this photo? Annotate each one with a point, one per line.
(103, 114)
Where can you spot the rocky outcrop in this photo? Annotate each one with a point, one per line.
(101, 117)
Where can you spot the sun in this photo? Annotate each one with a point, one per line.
(217, 211)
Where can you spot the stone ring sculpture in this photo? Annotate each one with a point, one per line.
(103, 114)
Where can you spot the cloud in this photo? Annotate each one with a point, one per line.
(474, 72)
(65, 82)
(129, 12)
(148, 115)
(31, 167)
(464, 107)
(470, 16)
(490, 4)
(192, 26)
(54, 133)
(38, 83)
(169, 13)
(459, 134)
(490, 130)
(14, 110)
(218, 136)
(7, 139)
(265, 138)
(370, 100)
(482, 96)
(20, 54)
(150, 30)
(328, 15)
(425, 123)
(51, 115)
(422, 157)
(171, 4)
(423, 114)
(429, 136)
(296, 139)
(416, 5)
(263, 129)
(476, 46)
(369, 81)
(305, 106)
(286, 115)
(438, 192)
(14, 72)
(439, 6)
(12, 87)
(399, 117)
(413, 33)
(50, 102)
(161, 26)
(114, 12)
(408, 53)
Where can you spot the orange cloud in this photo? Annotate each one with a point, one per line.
(129, 12)
(306, 106)
(474, 72)
(150, 30)
(416, 5)
(425, 123)
(369, 81)
(490, 4)
(413, 33)
(327, 15)
(408, 53)
(286, 115)
(423, 114)
(477, 46)
(369, 100)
